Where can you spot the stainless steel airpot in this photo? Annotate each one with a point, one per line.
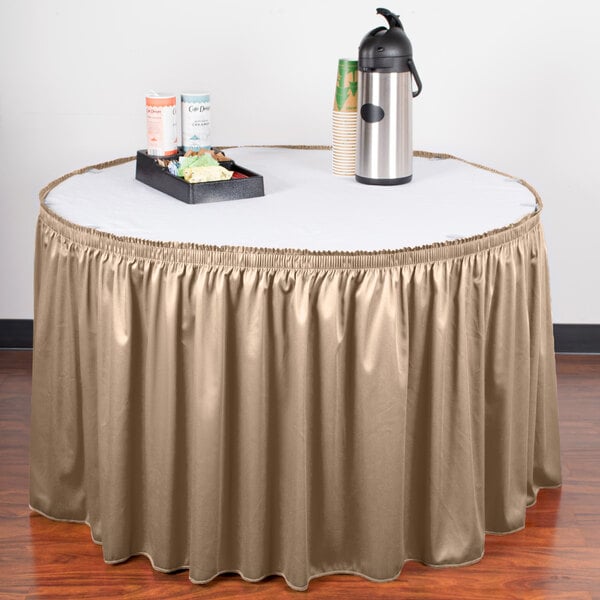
(385, 73)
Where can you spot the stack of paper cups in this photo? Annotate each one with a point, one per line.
(344, 118)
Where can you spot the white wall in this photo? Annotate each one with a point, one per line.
(512, 84)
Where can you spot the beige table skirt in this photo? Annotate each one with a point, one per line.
(295, 413)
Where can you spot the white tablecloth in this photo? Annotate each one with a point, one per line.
(305, 206)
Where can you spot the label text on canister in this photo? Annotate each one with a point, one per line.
(195, 121)
(161, 124)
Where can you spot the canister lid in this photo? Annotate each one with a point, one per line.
(385, 49)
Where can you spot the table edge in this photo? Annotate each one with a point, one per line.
(292, 258)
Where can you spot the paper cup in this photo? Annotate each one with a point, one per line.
(346, 88)
(344, 127)
(345, 121)
(344, 133)
(344, 117)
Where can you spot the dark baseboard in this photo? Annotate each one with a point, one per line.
(576, 339)
(16, 333)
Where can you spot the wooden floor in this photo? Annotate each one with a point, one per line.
(556, 556)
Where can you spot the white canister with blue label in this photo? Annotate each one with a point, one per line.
(195, 121)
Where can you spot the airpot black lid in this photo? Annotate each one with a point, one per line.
(385, 49)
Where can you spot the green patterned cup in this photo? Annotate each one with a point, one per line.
(346, 88)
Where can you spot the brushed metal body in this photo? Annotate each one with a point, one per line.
(384, 148)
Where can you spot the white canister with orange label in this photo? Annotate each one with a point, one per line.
(161, 124)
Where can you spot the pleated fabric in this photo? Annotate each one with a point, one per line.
(285, 412)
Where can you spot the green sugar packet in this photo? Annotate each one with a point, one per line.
(204, 160)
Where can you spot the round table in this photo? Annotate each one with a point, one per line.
(263, 386)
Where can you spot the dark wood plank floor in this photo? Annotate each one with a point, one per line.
(557, 555)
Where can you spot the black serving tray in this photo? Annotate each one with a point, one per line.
(148, 171)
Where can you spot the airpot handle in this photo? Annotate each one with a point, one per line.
(413, 70)
(392, 19)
